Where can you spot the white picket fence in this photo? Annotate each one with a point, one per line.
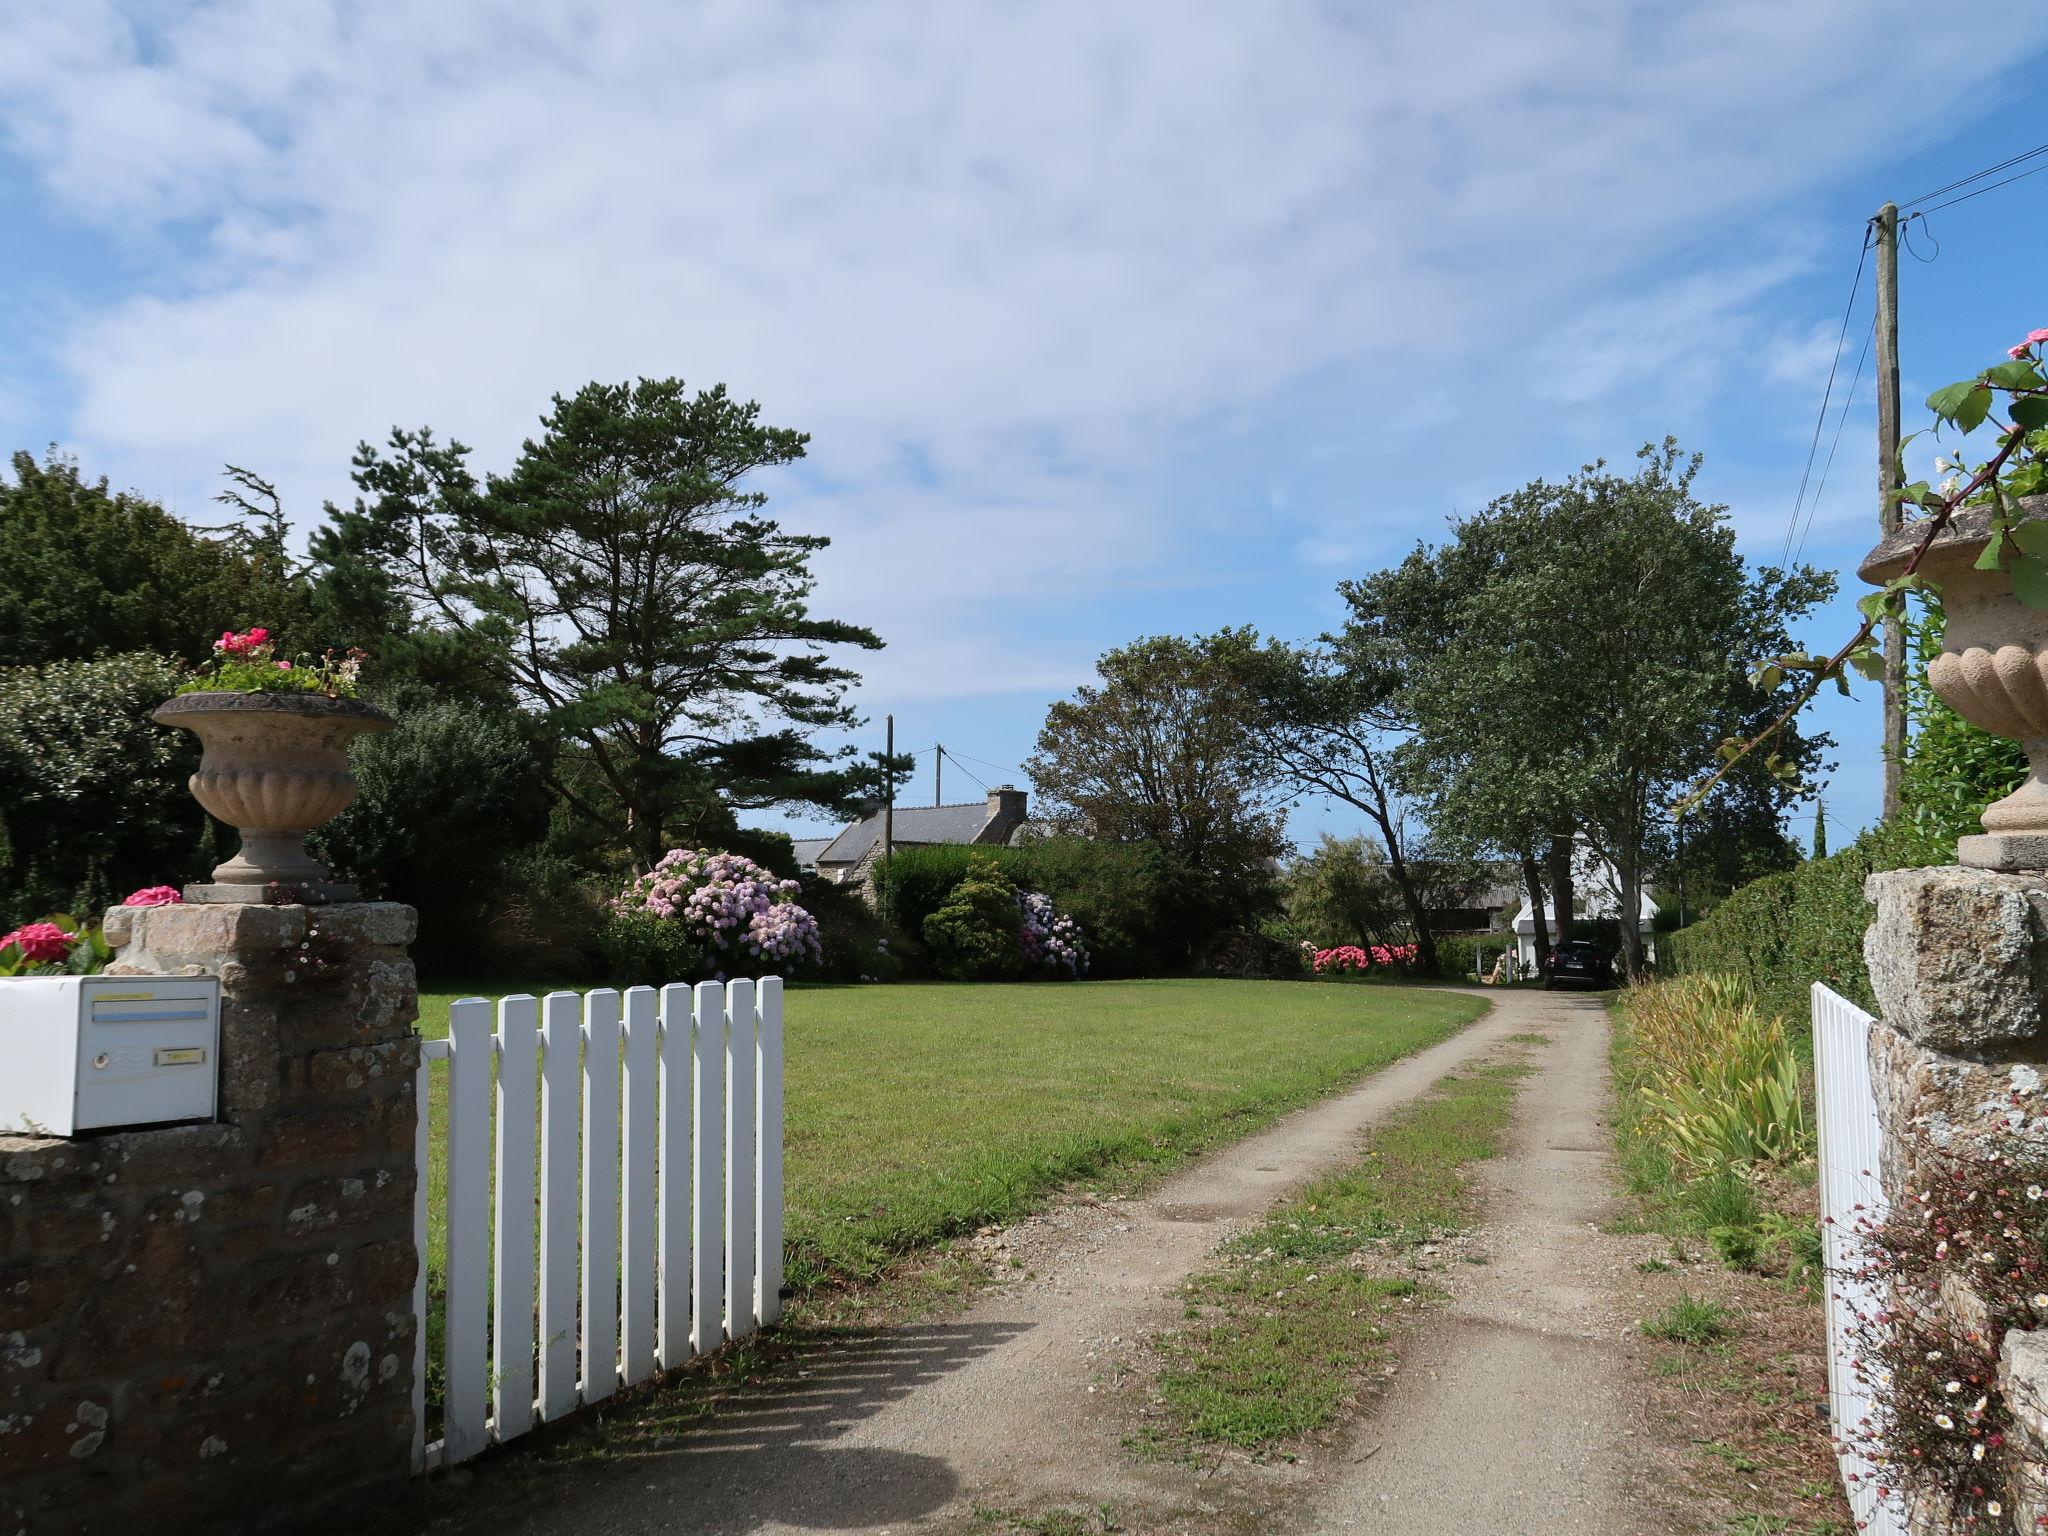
(1850, 1191)
(613, 1197)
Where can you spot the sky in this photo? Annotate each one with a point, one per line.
(1105, 320)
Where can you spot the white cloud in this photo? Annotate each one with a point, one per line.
(1007, 263)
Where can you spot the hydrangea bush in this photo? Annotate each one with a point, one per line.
(56, 946)
(1050, 942)
(729, 909)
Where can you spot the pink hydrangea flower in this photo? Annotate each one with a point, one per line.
(155, 896)
(40, 941)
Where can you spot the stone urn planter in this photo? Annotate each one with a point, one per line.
(1992, 670)
(274, 766)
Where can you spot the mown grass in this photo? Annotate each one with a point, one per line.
(917, 1113)
(1280, 1335)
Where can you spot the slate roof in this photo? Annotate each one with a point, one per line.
(914, 824)
(808, 849)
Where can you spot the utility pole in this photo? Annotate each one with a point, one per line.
(1886, 227)
(938, 775)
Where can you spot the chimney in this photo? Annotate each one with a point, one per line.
(1005, 813)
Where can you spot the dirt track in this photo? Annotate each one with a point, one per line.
(1511, 1413)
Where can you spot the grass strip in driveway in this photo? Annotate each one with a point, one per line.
(1280, 1334)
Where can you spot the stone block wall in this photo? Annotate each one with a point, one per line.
(209, 1327)
(1958, 961)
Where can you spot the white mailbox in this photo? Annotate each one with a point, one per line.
(87, 1053)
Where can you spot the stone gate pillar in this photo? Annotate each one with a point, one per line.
(209, 1327)
(1958, 961)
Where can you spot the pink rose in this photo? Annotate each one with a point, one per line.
(284, 666)
(40, 941)
(155, 896)
(2035, 338)
(2017, 352)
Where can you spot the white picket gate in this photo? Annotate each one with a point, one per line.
(1850, 1191)
(613, 1197)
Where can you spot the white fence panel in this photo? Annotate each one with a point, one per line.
(641, 1164)
(1850, 1191)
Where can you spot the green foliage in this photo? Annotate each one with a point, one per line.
(1717, 1080)
(1691, 1320)
(1526, 724)
(1158, 750)
(1781, 934)
(441, 800)
(621, 584)
(85, 573)
(1344, 893)
(1126, 896)
(973, 934)
(92, 793)
(641, 950)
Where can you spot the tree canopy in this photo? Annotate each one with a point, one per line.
(619, 583)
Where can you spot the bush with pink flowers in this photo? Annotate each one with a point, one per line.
(700, 914)
(155, 896)
(1353, 960)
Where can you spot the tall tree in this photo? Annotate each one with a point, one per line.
(1326, 719)
(1156, 751)
(85, 572)
(1587, 641)
(621, 584)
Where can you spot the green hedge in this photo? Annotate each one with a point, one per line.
(1139, 919)
(1786, 931)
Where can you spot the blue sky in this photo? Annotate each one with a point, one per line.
(1106, 320)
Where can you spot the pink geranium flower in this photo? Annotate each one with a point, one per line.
(40, 941)
(154, 896)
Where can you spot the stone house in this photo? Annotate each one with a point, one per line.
(848, 857)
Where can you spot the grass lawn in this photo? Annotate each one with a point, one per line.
(914, 1113)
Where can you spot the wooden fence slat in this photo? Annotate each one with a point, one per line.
(636, 1202)
(562, 1037)
(707, 1059)
(512, 1233)
(600, 1194)
(673, 1238)
(466, 1371)
(768, 1160)
(739, 1159)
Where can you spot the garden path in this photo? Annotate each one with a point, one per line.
(1509, 1415)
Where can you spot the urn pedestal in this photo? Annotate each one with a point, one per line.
(1992, 670)
(274, 766)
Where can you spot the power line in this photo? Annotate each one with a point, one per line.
(2021, 176)
(1989, 170)
(999, 767)
(1827, 394)
(1848, 403)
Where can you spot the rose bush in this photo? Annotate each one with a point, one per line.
(1351, 960)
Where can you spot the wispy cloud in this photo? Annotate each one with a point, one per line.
(1013, 266)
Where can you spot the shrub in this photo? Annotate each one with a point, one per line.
(973, 935)
(859, 943)
(1124, 896)
(92, 793)
(1718, 1079)
(441, 799)
(642, 950)
(1249, 955)
(1782, 933)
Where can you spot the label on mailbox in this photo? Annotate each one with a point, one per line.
(181, 1056)
(124, 997)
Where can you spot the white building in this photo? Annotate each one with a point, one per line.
(1596, 893)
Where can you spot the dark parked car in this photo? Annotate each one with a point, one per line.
(1581, 963)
